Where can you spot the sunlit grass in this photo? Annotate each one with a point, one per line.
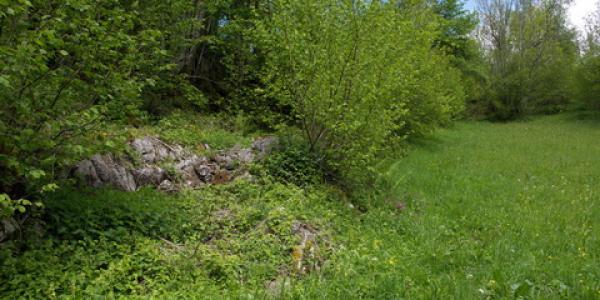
(493, 211)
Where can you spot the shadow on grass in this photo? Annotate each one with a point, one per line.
(584, 115)
(430, 143)
(590, 119)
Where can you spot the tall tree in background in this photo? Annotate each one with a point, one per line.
(531, 53)
(588, 69)
(456, 26)
(456, 41)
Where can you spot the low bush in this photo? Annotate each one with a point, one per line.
(221, 241)
(293, 162)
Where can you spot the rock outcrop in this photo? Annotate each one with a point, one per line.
(105, 169)
(8, 227)
(169, 167)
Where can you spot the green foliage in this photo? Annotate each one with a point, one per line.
(355, 80)
(531, 54)
(293, 163)
(69, 68)
(456, 26)
(173, 25)
(193, 130)
(462, 219)
(8, 206)
(225, 62)
(223, 241)
(588, 80)
(587, 75)
(74, 216)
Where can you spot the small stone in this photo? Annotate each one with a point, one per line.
(205, 172)
(167, 186)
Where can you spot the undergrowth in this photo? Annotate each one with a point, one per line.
(221, 241)
(479, 211)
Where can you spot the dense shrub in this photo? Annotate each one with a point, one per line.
(588, 79)
(362, 76)
(292, 162)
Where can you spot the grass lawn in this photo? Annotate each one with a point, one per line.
(493, 211)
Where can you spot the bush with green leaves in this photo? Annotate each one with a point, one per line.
(68, 68)
(292, 162)
(358, 77)
(588, 81)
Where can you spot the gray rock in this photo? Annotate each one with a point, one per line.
(187, 169)
(190, 170)
(86, 172)
(8, 227)
(225, 162)
(205, 172)
(167, 186)
(103, 166)
(153, 150)
(306, 254)
(151, 175)
(114, 172)
(102, 170)
(245, 156)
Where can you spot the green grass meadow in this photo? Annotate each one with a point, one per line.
(493, 211)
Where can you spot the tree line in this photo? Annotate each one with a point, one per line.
(354, 77)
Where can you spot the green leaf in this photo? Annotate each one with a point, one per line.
(51, 187)
(37, 174)
(4, 81)
(63, 52)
